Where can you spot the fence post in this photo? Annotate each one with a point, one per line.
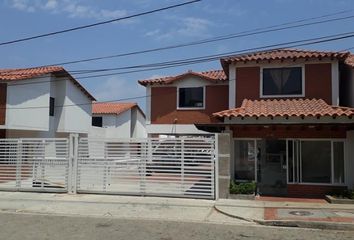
(182, 165)
(222, 168)
(73, 162)
(19, 163)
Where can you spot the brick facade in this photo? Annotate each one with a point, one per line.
(247, 84)
(164, 106)
(248, 80)
(314, 191)
(318, 81)
(281, 131)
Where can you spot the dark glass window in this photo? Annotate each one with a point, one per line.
(191, 97)
(51, 106)
(282, 81)
(97, 121)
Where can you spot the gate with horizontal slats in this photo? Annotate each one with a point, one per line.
(34, 164)
(179, 167)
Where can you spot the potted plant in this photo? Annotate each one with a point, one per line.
(242, 190)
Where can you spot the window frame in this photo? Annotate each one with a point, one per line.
(97, 117)
(302, 66)
(51, 106)
(191, 108)
(298, 171)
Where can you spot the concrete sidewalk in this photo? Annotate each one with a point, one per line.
(109, 206)
(298, 214)
(224, 211)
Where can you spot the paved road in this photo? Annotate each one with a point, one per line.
(27, 226)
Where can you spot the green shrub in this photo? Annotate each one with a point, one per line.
(242, 187)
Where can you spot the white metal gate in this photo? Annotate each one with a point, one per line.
(181, 167)
(34, 164)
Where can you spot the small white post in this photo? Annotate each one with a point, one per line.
(19, 163)
(216, 167)
(182, 166)
(73, 162)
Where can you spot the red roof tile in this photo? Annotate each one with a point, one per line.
(111, 108)
(350, 60)
(283, 54)
(286, 108)
(27, 73)
(213, 76)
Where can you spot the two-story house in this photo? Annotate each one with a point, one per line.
(42, 102)
(176, 103)
(117, 120)
(289, 113)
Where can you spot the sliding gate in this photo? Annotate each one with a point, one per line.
(181, 167)
(39, 164)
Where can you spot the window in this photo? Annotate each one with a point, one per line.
(51, 106)
(282, 82)
(97, 121)
(338, 162)
(316, 161)
(191, 97)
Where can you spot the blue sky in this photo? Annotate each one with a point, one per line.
(209, 18)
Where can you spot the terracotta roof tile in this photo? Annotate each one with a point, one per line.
(350, 60)
(282, 54)
(286, 108)
(27, 73)
(212, 75)
(111, 108)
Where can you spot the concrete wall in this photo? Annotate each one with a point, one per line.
(138, 125)
(130, 123)
(28, 104)
(28, 108)
(78, 114)
(223, 160)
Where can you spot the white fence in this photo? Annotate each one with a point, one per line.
(34, 164)
(182, 167)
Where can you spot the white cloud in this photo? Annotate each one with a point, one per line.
(184, 27)
(70, 7)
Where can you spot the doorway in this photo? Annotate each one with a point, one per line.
(272, 167)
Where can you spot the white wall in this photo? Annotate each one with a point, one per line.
(138, 124)
(129, 124)
(28, 108)
(77, 111)
(123, 124)
(32, 103)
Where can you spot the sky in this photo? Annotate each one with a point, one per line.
(205, 19)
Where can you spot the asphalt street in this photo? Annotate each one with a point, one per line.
(18, 226)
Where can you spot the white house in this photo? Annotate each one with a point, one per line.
(43, 102)
(117, 120)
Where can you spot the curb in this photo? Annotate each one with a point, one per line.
(290, 223)
(304, 224)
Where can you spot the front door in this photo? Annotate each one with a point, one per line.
(272, 167)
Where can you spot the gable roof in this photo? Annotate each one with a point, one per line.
(282, 54)
(212, 75)
(28, 73)
(113, 107)
(286, 108)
